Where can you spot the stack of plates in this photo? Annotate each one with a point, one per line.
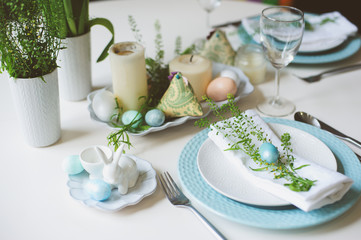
(208, 179)
(318, 53)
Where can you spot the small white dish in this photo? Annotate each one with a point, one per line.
(245, 88)
(145, 186)
(92, 163)
(225, 177)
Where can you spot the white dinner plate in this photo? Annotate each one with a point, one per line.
(322, 45)
(251, 28)
(224, 177)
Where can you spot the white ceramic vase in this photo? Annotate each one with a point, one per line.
(37, 106)
(75, 68)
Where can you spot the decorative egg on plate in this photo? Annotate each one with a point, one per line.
(220, 87)
(230, 74)
(104, 105)
(72, 165)
(154, 118)
(132, 115)
(98, 190)
(269, 152)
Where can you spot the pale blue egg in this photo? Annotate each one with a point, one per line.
(269, 152)
(98, 190)
(128, 117)
(154, 118)
(72, 165)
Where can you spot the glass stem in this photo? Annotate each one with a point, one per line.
(208, 20)
(277, 87)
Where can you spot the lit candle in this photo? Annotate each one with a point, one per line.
(128, 74)
(197, 70)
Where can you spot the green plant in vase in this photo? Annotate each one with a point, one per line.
(30, 35)
(75, 71)
(78, 22)
(30, 41)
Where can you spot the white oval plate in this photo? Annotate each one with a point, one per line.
(224, 177)
(245, 88)
(327, 44)
(145, 186)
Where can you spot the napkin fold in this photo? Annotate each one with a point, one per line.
(326, 28)
(330, 186)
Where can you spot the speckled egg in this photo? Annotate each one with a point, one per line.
(104, 105)
(98, 190)
(72, 165)
(154, 118)
(220, 87)
(269, 152)
(132, 115)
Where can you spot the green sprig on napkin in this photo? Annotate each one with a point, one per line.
(244, 129)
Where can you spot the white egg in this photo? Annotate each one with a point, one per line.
(230, 74)
(104, 105)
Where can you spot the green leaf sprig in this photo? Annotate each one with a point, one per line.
(30, 37)
(311, 27)
(77, 22)
(243, 128)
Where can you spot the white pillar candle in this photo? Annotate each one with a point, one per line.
(197, 69)
(128, 74)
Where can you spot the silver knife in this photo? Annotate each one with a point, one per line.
(309, 119)
(339, 134)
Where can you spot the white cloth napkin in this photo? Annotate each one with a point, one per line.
(335, 31)
(329, 188)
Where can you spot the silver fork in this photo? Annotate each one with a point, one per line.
(177, 198)
(318, 77)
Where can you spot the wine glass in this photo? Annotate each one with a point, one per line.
(281, 30)
(209, 6)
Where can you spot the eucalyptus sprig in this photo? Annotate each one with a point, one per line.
(243, 128)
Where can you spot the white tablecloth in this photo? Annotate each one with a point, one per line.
(35, 203)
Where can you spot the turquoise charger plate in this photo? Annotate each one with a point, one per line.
(271, 218)
(345, 50)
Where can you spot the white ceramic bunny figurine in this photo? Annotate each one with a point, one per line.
(122, 171)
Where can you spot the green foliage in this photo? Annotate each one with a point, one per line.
(158, 83)
(243, 128)
(30, 35)
(310, 27)
(77, 22)
(121, 135)
(77, 17)
(157, 70)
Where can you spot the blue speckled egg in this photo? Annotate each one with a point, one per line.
(72, 165)
(154, 118)
(98, 190)
(128, 117)
(269, 152)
